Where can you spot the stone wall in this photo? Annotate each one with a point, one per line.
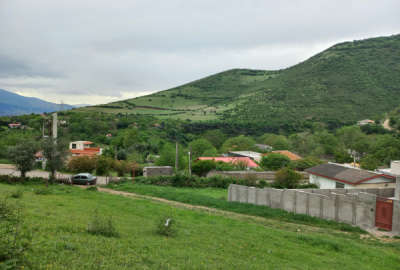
(157, 171)
(356, 208)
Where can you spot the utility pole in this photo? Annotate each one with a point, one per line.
(54, 125)
(176, 156)
(190, 161)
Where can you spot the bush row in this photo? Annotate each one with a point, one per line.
(180, 180)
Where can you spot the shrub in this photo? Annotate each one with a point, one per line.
(167, 226)
(198, 182)
(92, 188)
(15, 240)
(202, 167)
(287, 178)
(82, 164)
(305, 163)
(103, 165)
(17, 194)
(274, 161)
(102, 225)
(42, 191)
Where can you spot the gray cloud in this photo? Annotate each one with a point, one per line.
(100, 51)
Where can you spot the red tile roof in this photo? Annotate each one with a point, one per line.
(90, 151)
(248, 161)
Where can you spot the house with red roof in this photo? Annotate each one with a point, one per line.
(84, 148)
(233, 160)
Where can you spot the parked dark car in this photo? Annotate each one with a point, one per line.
(84, 179)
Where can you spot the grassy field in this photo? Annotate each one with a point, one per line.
(217, 198)
(203, 241)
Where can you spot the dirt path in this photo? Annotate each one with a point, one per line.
(278, 224)
(386, 124)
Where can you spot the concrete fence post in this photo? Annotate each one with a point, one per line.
(336, 207)
(230, 193)
(307, 204)
(295, 201)
(353, 210)
(321, 207)
(281, 199)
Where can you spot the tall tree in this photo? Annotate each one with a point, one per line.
(23, 156)
(55, 152)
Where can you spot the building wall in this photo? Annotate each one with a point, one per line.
(325, 183)
(157, 171)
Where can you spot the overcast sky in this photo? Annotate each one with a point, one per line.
(98, 51)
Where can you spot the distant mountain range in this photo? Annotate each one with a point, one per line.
(345, 83)
(14, 104)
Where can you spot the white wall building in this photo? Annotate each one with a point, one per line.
(331, 175)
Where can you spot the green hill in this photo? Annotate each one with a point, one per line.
(345, 83)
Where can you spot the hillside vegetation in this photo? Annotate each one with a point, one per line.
(345, 83)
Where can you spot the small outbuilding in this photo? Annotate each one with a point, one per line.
(332, 175)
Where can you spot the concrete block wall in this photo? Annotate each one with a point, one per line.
(352, 208)
(396, 216)
(381, 192)
(157, 171)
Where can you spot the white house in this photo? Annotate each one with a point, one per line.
(332, 175)
(83, 148)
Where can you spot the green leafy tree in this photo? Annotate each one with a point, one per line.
(369, 162)
(215, 136)
(167, 157)
(238, 143)
(55, 153)
(287, 178)
(202, 167)
(278, 142)
(274, 161)
(200, 146)
(23, 156)
(82, 164)
(104, 165)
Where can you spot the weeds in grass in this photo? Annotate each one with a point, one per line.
(102, 225)
(15, 239)
(16, 194)
(319, 241)
(92, 188)
(42, 191)
(167, 226)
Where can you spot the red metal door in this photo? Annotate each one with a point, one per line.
(384, 213)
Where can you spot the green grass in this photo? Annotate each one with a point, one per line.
(217, 198)
(203, 241)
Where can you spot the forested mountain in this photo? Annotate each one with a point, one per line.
(14, 104)
(345, 83)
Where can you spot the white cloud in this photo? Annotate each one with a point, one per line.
(101, 51)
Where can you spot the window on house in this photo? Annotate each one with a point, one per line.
(339, 185)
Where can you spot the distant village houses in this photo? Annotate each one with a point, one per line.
(84, 148)
(365, 122)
